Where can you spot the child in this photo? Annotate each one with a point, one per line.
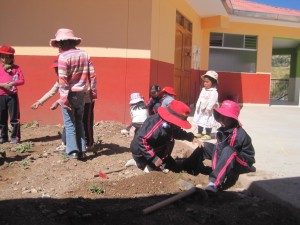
(75, 73)
(152, 145)
(11, 76)
(138, 113)
(88, 114)
(167, 95)
(233, 152)
(207, 100)
(154, 100)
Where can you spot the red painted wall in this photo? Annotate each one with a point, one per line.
(161, 73)
(244, 87)
(118, 77)
(195, 86)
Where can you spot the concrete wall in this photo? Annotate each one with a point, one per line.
(116, 34)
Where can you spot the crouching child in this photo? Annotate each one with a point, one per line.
(153, 144)
(233, 153)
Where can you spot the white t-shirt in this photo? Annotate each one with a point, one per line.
(138, 115)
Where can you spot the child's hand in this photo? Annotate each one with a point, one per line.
(35, 105)
(54, 106)
(198, 142)
(158, 162)
(6, 85)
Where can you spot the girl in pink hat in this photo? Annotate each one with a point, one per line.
(11, 77)
(76, 76)
(232, 154)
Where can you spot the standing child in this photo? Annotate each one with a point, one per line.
(11, 76)
(75, 73)
(154, 100)
(207, 100)
(232, 154)
(138, 113)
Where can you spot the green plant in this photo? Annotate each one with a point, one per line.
(25, 163)
(31, 124)
(95, 189)
(24, 147)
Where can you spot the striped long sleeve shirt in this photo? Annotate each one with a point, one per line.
(76, 73)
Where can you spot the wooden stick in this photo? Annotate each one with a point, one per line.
(170, 200)
(110, 171)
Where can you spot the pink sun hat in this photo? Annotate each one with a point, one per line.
(63, 34)
(229, 109)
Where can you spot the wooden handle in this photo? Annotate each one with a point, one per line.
(170, 200)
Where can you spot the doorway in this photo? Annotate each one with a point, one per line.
(182, 61)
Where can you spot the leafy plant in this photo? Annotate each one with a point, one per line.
(96, 190)
(24, 147)
(25, 164)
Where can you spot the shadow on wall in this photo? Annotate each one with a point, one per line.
(230, 87)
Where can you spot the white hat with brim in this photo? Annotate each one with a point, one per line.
(64, 34)
(135, 98)
(212, 74)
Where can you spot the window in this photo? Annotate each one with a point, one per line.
(232, 52)
(184, 22)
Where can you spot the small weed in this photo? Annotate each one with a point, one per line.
(96, 190)
(64, 157)
(24, 147)
(25, 163)
(31, 124)
(178, 176)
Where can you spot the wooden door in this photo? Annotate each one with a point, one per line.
(182, 64)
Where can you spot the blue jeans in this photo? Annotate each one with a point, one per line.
(75, 136)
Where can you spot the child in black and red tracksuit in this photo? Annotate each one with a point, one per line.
(233, 152)
(152, 145)
(11, 76)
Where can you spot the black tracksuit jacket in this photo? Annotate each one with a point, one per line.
(154, 138)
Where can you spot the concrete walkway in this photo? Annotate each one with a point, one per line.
(275, 133)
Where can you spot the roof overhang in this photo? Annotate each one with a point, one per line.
(208, 8)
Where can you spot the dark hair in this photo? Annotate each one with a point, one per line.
(68, 42)
(212, 80)
(138, 105)
(155, 88)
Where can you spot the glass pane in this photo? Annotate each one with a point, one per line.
(232, 60)
(234, 40)
(216, 39)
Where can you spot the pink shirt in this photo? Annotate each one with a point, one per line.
(15, 75)
(76, 73)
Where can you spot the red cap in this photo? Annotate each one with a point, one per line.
(6, 49)
(168, 90)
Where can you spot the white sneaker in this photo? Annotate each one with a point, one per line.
(211, 187)
(62, 147)
(130, 162)
(146, 170)
(124, 131)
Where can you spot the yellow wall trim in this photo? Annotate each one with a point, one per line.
(215, 22)
(94, 52)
